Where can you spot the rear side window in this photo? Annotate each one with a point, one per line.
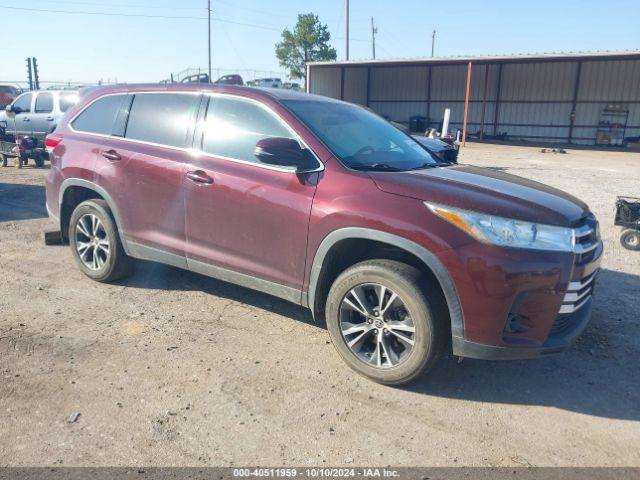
(44, 103)
(67, 100)
(99, 116)
(233, 127)
(24, 103)
(161, 118)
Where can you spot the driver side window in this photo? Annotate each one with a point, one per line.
(23, 103)
(233, 126)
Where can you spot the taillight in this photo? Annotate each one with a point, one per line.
(52, 141)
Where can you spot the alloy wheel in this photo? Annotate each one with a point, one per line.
(633, 240)
(92, 243)
(376, 325)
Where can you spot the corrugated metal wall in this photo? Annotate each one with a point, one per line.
(535, 100)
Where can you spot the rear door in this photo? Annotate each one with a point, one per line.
(142, 166)
(88, 131)
(243, 215)
(42, 119)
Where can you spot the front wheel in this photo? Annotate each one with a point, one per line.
(386, 322)
(95, 242)
(630, 239)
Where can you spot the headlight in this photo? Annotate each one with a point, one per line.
(507, 232)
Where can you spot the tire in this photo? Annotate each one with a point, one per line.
(630, 239)
(422, 308)
(39, 158)
(101, 266)
(4, 160)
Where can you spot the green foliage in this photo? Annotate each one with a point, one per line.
(309, 42)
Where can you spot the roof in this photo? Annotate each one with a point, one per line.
(273, 93)
(524, 58)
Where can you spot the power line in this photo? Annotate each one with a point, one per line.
(245, 24)
(122, 5)
(107, 14)
(141, 15)
(264, 12)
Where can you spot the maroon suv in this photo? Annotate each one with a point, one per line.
(327, 205)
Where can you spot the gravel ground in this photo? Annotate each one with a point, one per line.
(171, 368)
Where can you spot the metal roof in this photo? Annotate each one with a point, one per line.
(526, 58)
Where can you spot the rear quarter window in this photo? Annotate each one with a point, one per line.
(99, 116)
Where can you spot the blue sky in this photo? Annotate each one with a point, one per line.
(81, 47)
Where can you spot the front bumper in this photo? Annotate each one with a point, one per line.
(520, 304)
(569, 328)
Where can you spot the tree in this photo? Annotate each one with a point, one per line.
(309, 42)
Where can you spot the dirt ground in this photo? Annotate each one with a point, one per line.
(172, 368)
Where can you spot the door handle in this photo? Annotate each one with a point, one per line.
(26, 119)
(198, 176)
(50, 119)
(111, 155)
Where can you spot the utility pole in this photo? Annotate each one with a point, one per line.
(374, 30)
(36, 77)
(433, 42)
(209, 35)
(29, 73)
(347, 30)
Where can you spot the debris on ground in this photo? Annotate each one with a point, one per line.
(553, 150)
(73, 418)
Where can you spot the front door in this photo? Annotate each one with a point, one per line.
(242, 215)
(20, 124)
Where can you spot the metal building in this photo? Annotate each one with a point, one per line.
(581, 98)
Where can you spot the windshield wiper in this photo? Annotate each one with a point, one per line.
(431, 165)
(379, 166)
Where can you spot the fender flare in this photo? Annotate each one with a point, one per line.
(79, 182)
(428, 258)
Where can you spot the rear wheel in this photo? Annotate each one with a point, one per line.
(95, 242)
(630, 239)
(385, 321)
(39, 158)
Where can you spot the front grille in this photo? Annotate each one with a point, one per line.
(586, 240)
(578, 293)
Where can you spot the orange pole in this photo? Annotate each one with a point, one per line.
(466, 107)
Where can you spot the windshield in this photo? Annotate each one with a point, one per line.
(361, 139)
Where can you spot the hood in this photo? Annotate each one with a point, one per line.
(486, 191)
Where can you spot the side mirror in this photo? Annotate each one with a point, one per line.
(285, 152)
(12, 109)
